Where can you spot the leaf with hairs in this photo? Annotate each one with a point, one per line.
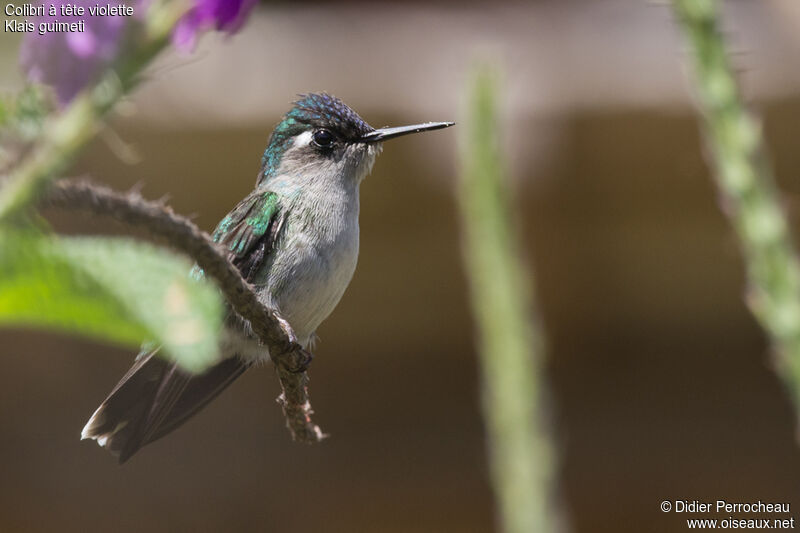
(114, 289)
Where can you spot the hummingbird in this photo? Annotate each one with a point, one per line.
(295, 238)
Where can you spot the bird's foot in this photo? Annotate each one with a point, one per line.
(295, 359)
(287, 329)
(303, 361)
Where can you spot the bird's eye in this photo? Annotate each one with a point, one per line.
(323, 138)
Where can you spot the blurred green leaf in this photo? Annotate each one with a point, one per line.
(5, 111)
(22, 118)
(23, 114)
(114, 289)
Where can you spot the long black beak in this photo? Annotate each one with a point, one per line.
(389, 133)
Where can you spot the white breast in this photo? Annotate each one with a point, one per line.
(316, 259)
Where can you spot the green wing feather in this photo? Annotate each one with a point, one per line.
(250, 230)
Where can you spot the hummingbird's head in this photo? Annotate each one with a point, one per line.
(323, 138)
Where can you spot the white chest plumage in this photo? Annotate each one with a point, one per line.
(315, 259)
(316, 262)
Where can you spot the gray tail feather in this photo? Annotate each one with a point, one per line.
(152, 399)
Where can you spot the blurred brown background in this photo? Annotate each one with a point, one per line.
(660, 381)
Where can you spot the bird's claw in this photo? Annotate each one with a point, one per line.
(305, 362)
(287, 329)
(296, 356)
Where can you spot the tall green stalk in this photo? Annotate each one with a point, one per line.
(744, 178)
(521, 456)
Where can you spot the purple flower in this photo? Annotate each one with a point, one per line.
(223, 15)
(68, 61)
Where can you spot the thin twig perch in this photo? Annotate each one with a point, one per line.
(160, 220)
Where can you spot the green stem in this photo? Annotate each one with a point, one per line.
(68, 132)
(511, 355)
(744, 178)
